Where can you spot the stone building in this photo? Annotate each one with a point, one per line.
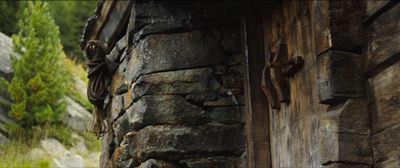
(235, 84)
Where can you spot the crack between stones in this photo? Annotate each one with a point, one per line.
(175, 69)
(191, 125)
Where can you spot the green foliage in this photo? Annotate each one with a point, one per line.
(39, 82)
(77, 74)
(20, 144)
(91, 141)
(9, 15)
(24, 140)
(71, 16)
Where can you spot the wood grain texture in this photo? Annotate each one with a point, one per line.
(383, 41)
(339, 76)
(386, 93)
(373, 6)
(338, 25)
(298, 130)
(382, 68)
(345, 133)
(257, 119)
(295, 127)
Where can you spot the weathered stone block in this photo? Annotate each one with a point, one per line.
(167, 52)
(152, 163)
(117, 106)
(226, 101)
(230, 38)
(121, 127)
(226, 115)
(121, 157)
(174, 82)
(236, 59)
(180, 142)
(163, 26)
(107, 146)
(118, 80)
(171, 109)
(118, 50)
(199, 98)
(164, 109)
(212, 162)
(339, 77)
(232, 81)
(237, 70)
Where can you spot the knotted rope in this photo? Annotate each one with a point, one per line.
(99, 79)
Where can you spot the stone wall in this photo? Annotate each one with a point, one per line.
(176, 98)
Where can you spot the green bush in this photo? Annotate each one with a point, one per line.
(39, 81)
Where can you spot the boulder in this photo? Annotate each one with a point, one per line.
(76, 117)
(61, 156)
(68, 160)
(80, 86)
(3, 139)
(79, 146)
(6, 47)
(52, 146)
(6, 70)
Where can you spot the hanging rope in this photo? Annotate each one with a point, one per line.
(99, 79)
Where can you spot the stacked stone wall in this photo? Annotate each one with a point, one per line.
(176, 99)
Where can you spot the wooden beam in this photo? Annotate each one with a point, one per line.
(256, 106)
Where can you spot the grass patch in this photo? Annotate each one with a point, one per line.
(61, 133)
(77, 72)
(92, 143)
(14, 154)
(33, 136)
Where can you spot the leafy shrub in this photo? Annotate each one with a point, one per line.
(39, 82)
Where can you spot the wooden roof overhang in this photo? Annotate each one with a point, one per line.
(108, 24)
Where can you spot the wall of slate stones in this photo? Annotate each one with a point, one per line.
(176, 99)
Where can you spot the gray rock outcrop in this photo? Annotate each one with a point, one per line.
(76, 117)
